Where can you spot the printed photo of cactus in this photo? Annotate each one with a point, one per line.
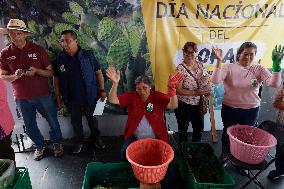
(113, 29)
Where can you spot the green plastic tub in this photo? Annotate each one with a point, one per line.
(21, 179)
(201, 169)
(118, 175)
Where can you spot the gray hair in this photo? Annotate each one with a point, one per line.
(143, 79)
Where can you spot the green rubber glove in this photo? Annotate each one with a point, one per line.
(277, 55)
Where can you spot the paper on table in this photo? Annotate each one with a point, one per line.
(100, 107)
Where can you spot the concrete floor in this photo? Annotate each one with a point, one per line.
(68, 171)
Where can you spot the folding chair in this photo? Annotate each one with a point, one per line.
(278, 132)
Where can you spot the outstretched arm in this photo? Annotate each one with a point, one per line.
(274, 79)
(219, 73)
(114, 76)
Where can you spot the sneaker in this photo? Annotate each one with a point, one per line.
(57, 149)
(77, 148)
(38, 154)
(99, 143)
(274, 174)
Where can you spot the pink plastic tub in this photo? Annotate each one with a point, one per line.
(250, 144)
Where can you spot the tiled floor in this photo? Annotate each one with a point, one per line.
(68, 172)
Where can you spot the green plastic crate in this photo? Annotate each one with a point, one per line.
(201, 169)
(21, 179)
(98, 173)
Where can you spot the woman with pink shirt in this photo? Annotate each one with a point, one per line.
(6, 125)
(241, 85)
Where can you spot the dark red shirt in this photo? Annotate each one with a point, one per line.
(137, 109)
(12, 58)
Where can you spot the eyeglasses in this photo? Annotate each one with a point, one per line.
(188, 53)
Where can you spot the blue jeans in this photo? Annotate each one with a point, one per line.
(233, 116)
(46, 107)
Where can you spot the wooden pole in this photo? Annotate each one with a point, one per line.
(214, 135)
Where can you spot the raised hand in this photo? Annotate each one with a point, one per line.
(174, 80)
(218, 53)
(277, 56)
(113, 74)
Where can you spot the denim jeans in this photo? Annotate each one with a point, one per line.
(233, 116)
(46, 107)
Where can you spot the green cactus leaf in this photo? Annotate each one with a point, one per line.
(60, 27)
(54, 42)
(86, 29)
(75, 7)
(106, 27)
(32, 26)
(82, 41)
(136, 16)
(135, 38)
(51, 55)
(118, 53)
(41, 28)
(71, 18)
(118, 33)
(146, 56)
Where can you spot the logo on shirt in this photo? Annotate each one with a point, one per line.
(11, 58)
(32, 56)
(62, 68)
(254, 83)
(150, 107)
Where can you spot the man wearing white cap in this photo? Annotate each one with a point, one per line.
(27, 67)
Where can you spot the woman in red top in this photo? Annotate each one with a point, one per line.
(145, 107)
(6, 125)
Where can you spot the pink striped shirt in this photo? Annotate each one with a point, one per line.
(6, 117)
(241, 84)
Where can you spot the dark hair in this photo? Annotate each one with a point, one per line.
(190, 44)
(143, 79)
(73, 34)
(244, 46)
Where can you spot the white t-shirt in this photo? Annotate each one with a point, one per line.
(144, 130)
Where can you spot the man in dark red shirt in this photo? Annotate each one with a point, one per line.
(27, 67)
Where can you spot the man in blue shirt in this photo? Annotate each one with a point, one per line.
(78, 83)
